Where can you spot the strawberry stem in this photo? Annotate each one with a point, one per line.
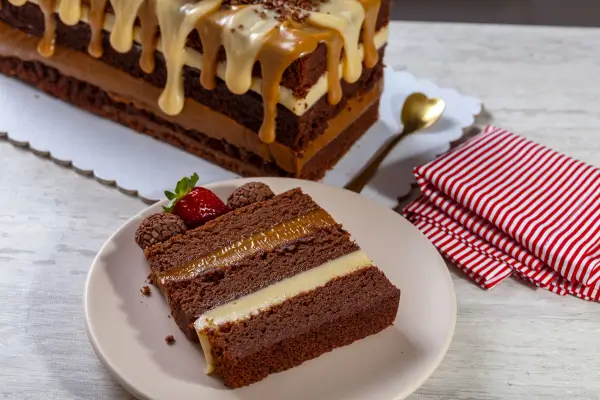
(182, 188)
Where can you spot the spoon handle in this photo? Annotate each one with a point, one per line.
(364, 176)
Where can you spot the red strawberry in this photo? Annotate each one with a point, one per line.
(195, 205)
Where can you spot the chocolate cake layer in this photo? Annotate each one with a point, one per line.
(303, 327)
(189, 298)
(291, 130)
(228, 228)
(328, 157)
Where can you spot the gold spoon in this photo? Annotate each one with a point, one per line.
(418, 112)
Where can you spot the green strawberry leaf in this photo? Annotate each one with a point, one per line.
(194, 180)
(182, 188)
(170, 206)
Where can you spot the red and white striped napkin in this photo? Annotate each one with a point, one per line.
(501, 205)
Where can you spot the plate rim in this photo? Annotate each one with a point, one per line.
(238, 182)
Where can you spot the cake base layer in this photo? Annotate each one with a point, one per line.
(99, 102)
(345, 310)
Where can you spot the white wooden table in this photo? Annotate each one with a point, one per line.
(510, 343)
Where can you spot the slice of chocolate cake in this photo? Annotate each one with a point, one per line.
(270, 285)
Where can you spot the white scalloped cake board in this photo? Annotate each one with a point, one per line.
(140, 165)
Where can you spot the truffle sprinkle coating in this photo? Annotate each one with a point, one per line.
(249, 193)
(158, 228)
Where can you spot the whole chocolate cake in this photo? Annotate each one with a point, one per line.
(270, 285)
(261, 87)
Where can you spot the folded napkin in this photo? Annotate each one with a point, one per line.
(501, 205)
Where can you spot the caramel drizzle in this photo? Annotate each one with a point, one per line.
(262, 241)
(334, 52)
(149, 38)
(345, 17)
(371, 56)
(248, 34)
(287, 44)
(210, 36)
(46, 45)
(96, 21)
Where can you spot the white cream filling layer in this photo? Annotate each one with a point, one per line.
(193, 59)
(277, 293)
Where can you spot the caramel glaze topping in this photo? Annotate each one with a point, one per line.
(261, 241)
(96, 17)
(249, 33)
(46, 45)
(149, 36)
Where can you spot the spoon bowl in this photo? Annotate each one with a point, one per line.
(418, 112)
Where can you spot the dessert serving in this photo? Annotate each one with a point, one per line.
(260, 87)
(264, 282)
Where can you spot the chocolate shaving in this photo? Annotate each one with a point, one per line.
(297, 10)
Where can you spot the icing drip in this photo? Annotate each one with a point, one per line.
(346, 17)
(17, 3)
(121, 38)
(210, 36)
(149, 26)
(243, 35)
(176, 19)
(96, 21)
(69, 11)
(46, 45)
(368, 33)
(287, 44)
(247, 33)
(262, 241)
(334, 52)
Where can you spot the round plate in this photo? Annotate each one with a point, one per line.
(127, 329)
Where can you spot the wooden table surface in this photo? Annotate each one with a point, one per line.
(510, 343)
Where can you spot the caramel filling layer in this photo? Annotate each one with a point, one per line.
(275, 294)
(249, 33)
(262, 241)
(125, 88)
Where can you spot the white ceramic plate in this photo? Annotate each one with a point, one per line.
(127, 330)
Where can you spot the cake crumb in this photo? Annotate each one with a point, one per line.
(145, 290)
(169, 339)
